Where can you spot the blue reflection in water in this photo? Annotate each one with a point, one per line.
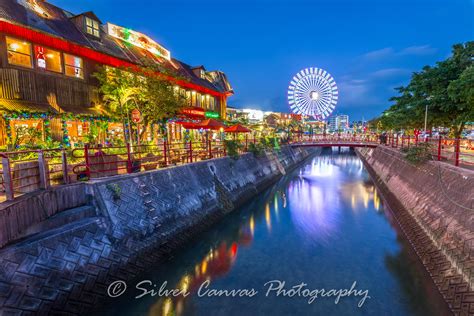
(325, 225)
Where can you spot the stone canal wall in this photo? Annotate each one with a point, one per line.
(434, 205)
(136, 220)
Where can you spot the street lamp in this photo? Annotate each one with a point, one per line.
(426, 112)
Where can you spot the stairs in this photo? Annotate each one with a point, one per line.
(85, 213)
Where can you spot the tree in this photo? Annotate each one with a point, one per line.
(159, 99)
(445, 88)
(120, 91)
(149, 89)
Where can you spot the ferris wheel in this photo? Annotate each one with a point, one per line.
(313, 92)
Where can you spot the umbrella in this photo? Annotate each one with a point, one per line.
(237, 128)
(190, 125)
(211, 124)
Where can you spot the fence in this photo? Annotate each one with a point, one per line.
(459, 152)
(27, 171)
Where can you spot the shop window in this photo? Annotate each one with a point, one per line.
(19, 52)
(92, 27)
(48, 59)
(73, 66)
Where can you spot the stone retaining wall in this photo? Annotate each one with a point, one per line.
(151, 214)
(32, 208)
(434, 205)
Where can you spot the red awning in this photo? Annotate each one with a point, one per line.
(237, 128)
(190, 125)
(212, 124)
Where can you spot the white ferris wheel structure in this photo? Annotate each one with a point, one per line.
(313, 92)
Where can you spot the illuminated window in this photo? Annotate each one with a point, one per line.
(73, 66)
(19, 52)
(48, 59)
(92, 27)
(212, 103)
(193, 98)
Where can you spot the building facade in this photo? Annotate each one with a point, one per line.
(48, 58)
(338, 123)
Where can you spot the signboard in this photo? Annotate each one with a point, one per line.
(196, 112)
(212, 114)
(254, 115)
(138, 39)
(136, 116)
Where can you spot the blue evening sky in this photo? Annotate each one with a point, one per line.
(369, 47)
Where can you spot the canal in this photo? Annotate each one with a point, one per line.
(323, 225)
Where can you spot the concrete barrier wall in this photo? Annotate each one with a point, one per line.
(32, 208)
(434, 205)
(70, 269)
(163, 201)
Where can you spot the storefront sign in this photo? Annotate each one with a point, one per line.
(196, 112)
(212, 114)
(136, 116)
(40, 59)
(137, 39)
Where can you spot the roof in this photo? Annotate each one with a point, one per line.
(19, 106)
(55, 21)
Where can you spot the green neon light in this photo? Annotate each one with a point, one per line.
(212, 114)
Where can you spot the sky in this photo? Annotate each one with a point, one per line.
(369, 47)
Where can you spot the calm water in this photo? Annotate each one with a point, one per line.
(325, 225)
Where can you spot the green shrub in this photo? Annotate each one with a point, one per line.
(232, 148)
(419, 154)
(115, 190)
(257, 149)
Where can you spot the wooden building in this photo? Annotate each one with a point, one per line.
(48, 56)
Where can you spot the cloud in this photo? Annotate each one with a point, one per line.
(386, 52)
(418, 50)
(380, 53)
(390, 73)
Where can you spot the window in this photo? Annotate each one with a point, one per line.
(73, 66)
(19, 52)
(92, 27)
(48, 59)
(212, 105)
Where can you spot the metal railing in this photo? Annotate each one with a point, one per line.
(28, 171)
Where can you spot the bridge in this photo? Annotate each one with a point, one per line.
(337, 141)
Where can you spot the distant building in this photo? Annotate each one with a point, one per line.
(338, 122)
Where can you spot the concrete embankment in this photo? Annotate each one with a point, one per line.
(66, 263)
(434, 205)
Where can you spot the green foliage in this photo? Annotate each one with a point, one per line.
(150, 91)
(418, 154)
(447, 90)
(232, 148)
(258, 150)
(115, 190)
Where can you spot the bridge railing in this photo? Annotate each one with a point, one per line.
(459, 152)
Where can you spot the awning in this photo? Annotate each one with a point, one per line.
(189, 125)
(237, 128)
(212, 124)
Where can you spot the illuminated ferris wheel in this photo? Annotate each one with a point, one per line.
(313, 92)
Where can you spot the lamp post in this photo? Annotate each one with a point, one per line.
(426, 112)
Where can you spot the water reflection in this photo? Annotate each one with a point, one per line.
(319, 195)
(328, 215)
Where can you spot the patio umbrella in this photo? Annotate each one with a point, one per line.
(190, 125)
(211, 124)
(237, 128)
